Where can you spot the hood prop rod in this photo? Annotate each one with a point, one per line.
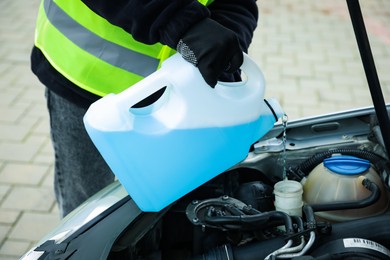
(370, 70)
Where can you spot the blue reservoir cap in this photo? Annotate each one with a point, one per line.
(347, 165)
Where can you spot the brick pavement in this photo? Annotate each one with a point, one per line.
(309, 56)
(305, 48)
(27, 207)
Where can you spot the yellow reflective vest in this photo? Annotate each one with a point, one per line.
(91, 52)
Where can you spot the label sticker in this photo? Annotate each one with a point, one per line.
(364, 243)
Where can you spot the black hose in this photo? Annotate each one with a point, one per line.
(308, 211)
(298, 220)
(257, 220)
(374, 197)
(302, 170)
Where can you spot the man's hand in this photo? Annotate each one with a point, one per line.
(211, 47)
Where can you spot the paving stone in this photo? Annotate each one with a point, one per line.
(6, 99)
(4, 190)
(42, 127)
(283, 84)
(314, 84)
(311, 57)
(55, 211)
(11, 132)
(329, 97)
(26, 106)
(329, 68)
(303, 71)
(18, 56)
(33, 226)
(349, 81)
(8, 216)
(28, 121)
(14, 248)
(386, 89)
(10, 114)
(36, 140)
(44, 158)
(6, 257)
(34, 93)
(17, 173)
(20, 152)
(38, 109)
(285, 60)
(4, 230)
(49, 178)
(47, 147)
(29, 198)
(13, 94)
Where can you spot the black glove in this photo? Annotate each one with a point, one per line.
(213, 48)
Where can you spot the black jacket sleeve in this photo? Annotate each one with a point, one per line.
(151, 21)
(240, 16)
(165, 21)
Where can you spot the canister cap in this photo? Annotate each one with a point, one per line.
(347, 165)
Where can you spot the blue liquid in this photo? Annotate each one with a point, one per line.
(157, 167)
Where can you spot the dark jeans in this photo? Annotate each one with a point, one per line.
(80, 171)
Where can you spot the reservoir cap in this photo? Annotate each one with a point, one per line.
(347, 165)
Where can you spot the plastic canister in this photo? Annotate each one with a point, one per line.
(288, 197)
(339, 179)
(190, 135)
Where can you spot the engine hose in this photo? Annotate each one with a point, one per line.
(258, 219)
(260, 250)
(309, 214)
(263, 249)
(302, 170)
(304, 249)
(374, 197)
(299, 222)
(287, 250)
(280, 250)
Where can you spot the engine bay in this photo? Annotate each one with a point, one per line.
(341, 170)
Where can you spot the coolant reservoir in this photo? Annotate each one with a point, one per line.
(190, 135)
(339, 179)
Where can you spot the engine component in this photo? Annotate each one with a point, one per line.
(339, 179)
(222, 206)
(347, 248)
(256, 194)
(227, 213)
(288, 197)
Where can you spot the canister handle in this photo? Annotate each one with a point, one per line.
(252, 72)
(141, 90)
(159, 79)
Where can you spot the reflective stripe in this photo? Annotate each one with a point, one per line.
(114, 54)
(205, 2)
(94, 54)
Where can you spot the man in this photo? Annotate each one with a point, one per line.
(85, 49)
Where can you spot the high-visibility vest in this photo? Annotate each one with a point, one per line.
(91, 52)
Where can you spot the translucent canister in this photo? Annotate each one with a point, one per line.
(339, 179)
(190, 135)
(288, 197)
